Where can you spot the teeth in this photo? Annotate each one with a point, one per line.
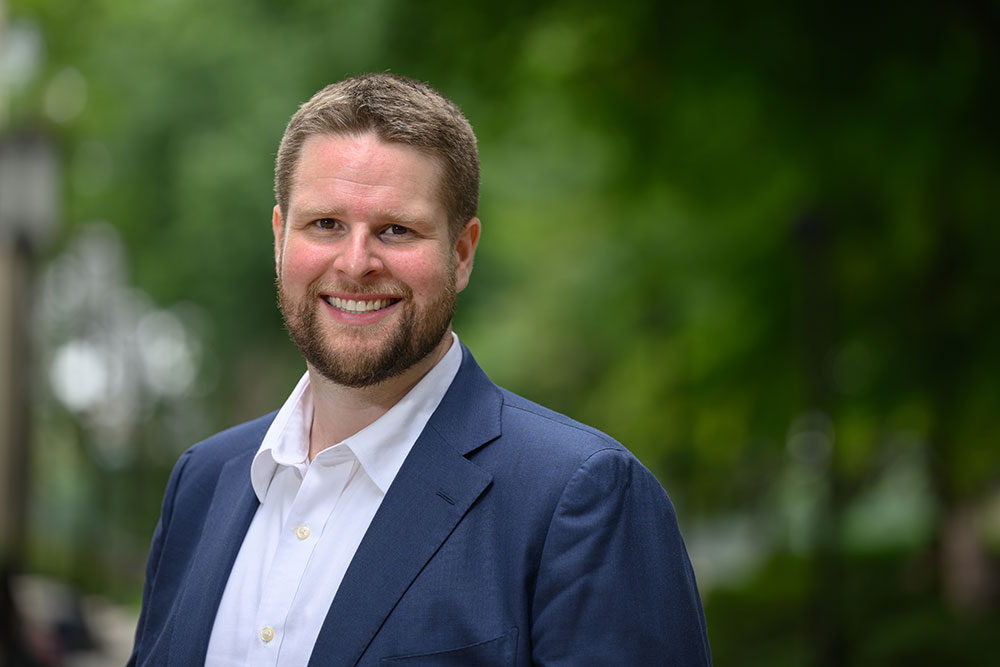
(357, 306)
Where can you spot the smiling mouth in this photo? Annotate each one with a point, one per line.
(359, 305)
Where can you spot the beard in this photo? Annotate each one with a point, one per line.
(342, 357)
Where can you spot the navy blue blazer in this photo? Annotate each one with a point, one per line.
(512, 535)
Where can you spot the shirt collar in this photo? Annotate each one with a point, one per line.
(380, 448)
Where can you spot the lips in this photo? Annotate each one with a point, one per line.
(359, 305)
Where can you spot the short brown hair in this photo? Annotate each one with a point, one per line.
(396, 109)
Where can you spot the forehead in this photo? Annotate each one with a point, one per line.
(360, 171)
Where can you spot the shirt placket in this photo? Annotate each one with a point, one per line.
(315, 501)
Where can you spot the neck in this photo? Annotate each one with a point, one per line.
(339, 412)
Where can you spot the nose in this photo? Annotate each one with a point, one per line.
(358, 255)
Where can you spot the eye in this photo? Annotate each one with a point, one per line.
(397, 231)
(326, 223)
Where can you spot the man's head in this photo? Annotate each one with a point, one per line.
(399, 110)
(372, 240)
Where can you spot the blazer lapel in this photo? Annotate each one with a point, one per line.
(432, 492)
(233, 506)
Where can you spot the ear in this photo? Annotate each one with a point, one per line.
(465, 251)
(278, 226)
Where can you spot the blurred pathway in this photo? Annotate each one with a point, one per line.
(62, 629)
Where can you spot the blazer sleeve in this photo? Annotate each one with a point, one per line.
(155, 550)
(615, 585)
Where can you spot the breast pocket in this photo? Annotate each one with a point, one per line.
(499, 652)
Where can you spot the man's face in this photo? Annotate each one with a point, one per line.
(367, 272)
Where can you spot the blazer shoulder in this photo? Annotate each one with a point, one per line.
(527, 420)
(216, 450)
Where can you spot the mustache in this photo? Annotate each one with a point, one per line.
(393, 290)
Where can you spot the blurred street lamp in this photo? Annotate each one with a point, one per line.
(28, 183)
(28, 214)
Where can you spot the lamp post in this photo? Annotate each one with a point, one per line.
(28, 215)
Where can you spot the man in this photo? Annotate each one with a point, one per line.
(401, 509)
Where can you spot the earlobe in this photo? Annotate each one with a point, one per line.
(277, 226)
(465, 252)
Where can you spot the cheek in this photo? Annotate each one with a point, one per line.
(303, 262)
(425, 275)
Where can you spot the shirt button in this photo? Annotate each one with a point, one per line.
(267, 634)
(302, 531)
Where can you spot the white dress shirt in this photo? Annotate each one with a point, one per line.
(310, 522)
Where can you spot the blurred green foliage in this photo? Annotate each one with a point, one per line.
(756, 242)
